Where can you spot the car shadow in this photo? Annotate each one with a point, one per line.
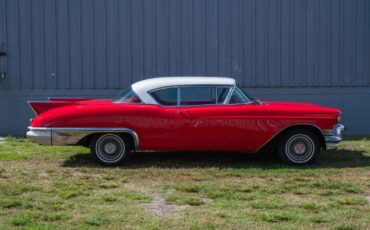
(335, 159)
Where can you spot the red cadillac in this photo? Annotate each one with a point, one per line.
(186, 114)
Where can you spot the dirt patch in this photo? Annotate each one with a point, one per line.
(44, 174)
(159, 207)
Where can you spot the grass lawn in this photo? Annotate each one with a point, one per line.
(59, 187)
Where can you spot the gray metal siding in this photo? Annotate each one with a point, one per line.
(89, 44)
(354, 103)
(303, 50)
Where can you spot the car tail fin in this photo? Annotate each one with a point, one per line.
(69, 99)
(40, 107)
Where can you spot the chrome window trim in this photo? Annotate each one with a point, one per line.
(227, 100)
(178, 96)
(217, 95)
(117, 102)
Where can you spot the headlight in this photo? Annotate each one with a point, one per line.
(338, 119)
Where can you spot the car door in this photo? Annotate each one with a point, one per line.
(205, 123)
(159, 120)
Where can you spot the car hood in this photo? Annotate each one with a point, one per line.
(298, 107)
(289, 103)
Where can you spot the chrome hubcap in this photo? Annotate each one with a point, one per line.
(299, 148)
(110, 148)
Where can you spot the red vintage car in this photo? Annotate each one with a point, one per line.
(186, 114)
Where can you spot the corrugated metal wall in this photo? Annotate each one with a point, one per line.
(88, 44)
(306, 50)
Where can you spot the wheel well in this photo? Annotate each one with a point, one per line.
(273, 142)
(85, 141)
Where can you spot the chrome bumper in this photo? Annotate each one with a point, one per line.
(40, 135)
(332, 141)
(71, 136)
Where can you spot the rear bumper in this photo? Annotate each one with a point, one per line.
(40, 135)
(332, 141)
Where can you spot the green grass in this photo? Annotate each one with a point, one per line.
(45, 187)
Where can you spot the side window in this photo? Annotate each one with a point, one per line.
(222, 93)
(167, 97)
(237, 97)
(197, 95)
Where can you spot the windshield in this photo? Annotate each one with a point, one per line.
(239, 96)
(128, 96)
(246, 94)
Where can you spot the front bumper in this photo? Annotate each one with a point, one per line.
(332, 141)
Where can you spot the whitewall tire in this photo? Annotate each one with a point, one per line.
(110, 149)
(299, 147)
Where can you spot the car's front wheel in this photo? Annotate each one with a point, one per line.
(299, 147)
(110, 149)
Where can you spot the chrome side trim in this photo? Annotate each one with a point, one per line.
(71, 136)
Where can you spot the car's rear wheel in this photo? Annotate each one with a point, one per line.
(299, 147)
(110, 149)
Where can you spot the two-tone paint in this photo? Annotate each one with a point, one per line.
(223, 127)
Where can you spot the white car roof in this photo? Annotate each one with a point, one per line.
(141, 88)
